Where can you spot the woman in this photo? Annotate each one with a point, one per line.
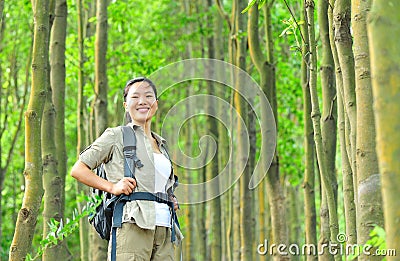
(146, 230)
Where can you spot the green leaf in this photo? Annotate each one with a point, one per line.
(284, 31)
(262, 2)
(249, 6)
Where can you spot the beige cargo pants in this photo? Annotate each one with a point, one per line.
(138, 244)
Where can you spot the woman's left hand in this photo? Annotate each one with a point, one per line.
(176, 204)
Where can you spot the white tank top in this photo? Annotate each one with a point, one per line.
(162, 172)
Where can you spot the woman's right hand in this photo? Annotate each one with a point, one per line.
(125, 186)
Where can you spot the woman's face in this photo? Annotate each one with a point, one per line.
(141, 102)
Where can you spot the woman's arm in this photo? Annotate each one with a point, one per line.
(83, 174)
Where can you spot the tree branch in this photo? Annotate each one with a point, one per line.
(254, 43)
(223, 14)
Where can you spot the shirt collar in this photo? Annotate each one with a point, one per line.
(159, 139)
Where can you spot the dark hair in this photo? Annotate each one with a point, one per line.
(138, 79)
(128, 86)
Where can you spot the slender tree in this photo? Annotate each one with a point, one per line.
(347, 173)
(51, 180)
(329, 116)
(383, 34)
(223, 140)
(212, 168)
(234, 225)
(309, 150)
(101, 68)
(53, 133)
(1, 10)
(29, 211)
(1, 24)
(265, 67)
(191, 219)
(2, 124)
(368, 178)
(82, 140)
(99, 247)
(9, 155)
(246, 227)
(343, 43)
(327, 190)
(231, 234)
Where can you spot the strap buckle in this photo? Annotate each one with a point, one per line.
(161, 197)
(138, 163)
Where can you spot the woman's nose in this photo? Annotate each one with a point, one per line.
(142, 100)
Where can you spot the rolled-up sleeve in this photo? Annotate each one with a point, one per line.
(100, 150)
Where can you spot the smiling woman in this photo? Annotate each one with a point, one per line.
(148, 221)
(140, 101)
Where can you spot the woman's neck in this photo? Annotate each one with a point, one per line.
(146, 127)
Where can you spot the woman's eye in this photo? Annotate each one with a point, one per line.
(149, 96)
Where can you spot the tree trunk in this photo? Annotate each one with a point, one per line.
(227, 198)
(274, 191)
(265, 68)
(293, 214)
(383, 34)
(2, 173)
(326, 187)
(1, 11)
(235, 202)
(54, 183)
(309, 150)
(347, 177)
(100, 68)
(82, 141)
(9, 155)
(246, 216)
(329, 114)
(368, 178)
(328, 121)
(192, 219)
(205, 252)
(29, 211)
(347, 173)
(51, 179)
(212, 167)
(99, 248)
(343, 42)
(223, 139)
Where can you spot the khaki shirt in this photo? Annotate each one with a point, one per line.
(108, 148)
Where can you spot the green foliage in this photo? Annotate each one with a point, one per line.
(60, 230)
(377, 240)
(293, 29)
(253, 2)
(143, 36)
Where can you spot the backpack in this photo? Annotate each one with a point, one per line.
(108, 215)
(101, 220)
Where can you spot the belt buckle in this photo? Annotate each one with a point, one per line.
(160, 197)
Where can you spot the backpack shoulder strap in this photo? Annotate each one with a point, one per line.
(131, 160)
